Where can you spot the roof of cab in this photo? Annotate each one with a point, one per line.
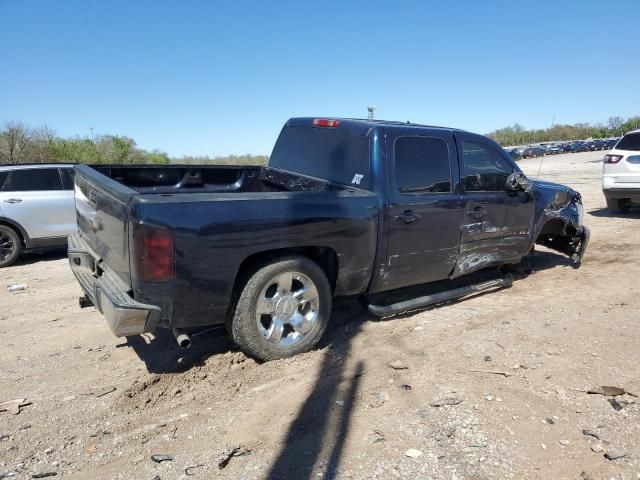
(360, 125)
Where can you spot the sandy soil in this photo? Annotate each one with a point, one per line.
(99, 407)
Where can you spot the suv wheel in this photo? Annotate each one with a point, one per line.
(283, 309)
(10, 246)
(618, 205)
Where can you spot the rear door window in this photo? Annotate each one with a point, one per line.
(3, 177)
(422, 165)
(33, 179)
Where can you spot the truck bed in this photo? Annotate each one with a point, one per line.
(165, 179)
(219, 217)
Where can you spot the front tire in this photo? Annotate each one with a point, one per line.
(283, 309)
(10, 246)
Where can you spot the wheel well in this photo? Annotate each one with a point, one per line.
(556, 234)
(16, 229)
(325, 257)
(557, 227)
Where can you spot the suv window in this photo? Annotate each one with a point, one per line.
(422, 165)
(33, 179)
(3, 177)
(630, 141)
(484, 169)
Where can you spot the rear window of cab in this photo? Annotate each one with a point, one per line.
(324, 153)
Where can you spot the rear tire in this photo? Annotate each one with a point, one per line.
(10, 246)
(283, 309)
(618, 205)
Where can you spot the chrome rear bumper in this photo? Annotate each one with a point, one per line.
(108, 293)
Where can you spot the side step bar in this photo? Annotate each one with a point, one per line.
(421, 302)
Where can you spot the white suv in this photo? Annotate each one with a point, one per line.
(621, 173)
(36, 208)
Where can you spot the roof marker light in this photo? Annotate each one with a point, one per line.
(324, 122)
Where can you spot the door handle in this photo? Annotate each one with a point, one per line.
(13, 200)
(407, 216)
(477, 212)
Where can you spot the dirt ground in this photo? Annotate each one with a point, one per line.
(100, 407)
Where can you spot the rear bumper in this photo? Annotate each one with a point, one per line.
(621, 192)
(108, 293)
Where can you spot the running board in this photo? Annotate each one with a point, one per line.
(421, 302)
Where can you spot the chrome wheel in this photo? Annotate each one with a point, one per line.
(7, 247)
(287, 308)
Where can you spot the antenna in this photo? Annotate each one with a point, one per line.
(540, 167)
(371, 110)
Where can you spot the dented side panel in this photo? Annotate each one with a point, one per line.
(501, 235)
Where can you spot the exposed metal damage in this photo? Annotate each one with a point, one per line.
(559, 225)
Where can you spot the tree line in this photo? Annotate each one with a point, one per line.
(22, 144)
(518, 135)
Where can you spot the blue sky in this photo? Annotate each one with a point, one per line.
(205, 77)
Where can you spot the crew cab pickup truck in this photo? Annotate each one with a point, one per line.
(344, 207)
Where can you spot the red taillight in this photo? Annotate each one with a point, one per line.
(612, 158)
(154, 261)
(324, 122)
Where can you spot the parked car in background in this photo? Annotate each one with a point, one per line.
(532, 152)
(554, 149)
(36, 208)
(514, 153)
(621, 173)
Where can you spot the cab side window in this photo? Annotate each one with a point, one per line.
(422, 165)
(483, 169)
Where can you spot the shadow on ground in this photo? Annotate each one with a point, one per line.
(605, 212)
(315, 440)
(49, 255)
(161, 353)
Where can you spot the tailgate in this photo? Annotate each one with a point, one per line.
(102, 209)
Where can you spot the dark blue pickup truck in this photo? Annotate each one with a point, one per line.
(344, 207)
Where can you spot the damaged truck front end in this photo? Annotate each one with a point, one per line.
(558, 220)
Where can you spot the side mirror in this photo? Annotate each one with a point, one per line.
(516, 182)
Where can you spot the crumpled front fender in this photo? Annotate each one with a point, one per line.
(558, 224)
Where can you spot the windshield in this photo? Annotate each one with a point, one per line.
(324, 153)
(631, 141)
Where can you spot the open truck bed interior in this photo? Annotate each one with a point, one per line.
(168, 179)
